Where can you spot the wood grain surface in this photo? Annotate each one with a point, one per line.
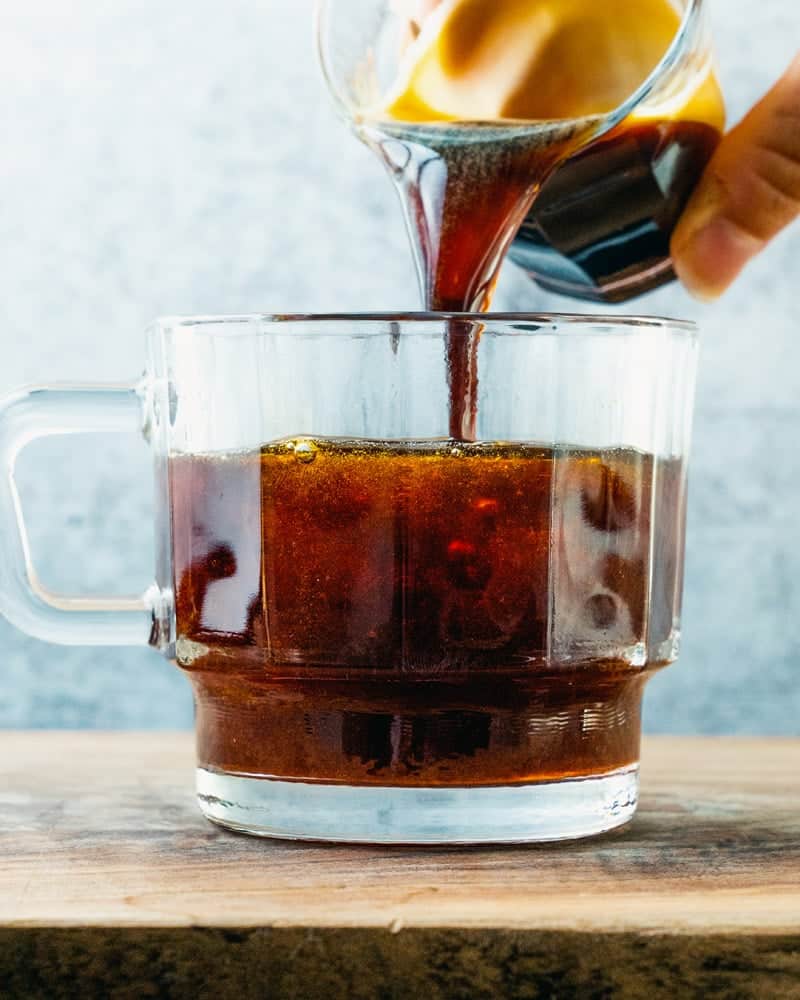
(105, 860)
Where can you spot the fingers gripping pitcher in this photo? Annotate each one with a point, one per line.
(571, 131)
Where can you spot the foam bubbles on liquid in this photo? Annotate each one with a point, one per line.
(305, 452)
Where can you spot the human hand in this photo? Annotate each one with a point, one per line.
(749, 192)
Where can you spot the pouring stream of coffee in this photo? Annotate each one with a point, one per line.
(489, 98)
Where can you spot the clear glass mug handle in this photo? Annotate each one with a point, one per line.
(44, 412)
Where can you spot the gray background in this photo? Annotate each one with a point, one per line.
(183, 158)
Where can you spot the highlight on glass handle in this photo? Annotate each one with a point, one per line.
(46, 411)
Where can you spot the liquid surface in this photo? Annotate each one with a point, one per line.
(488, 60)
(426, 614)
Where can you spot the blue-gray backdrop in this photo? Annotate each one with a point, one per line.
(183, 158)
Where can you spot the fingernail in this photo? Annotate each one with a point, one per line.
(710, 257)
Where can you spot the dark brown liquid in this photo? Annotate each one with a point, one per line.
(601, 225)
(427, 614)
(466, 189)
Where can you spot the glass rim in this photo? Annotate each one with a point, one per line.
(523, 323)
(669, 60)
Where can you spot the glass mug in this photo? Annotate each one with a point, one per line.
(611, 189)
(393, 636)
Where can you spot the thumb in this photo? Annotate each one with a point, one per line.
(750, 191)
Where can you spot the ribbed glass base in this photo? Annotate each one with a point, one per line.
(562, 810)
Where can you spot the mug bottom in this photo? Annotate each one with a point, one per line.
(512, 814)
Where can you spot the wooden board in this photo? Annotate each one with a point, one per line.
(103, 853)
